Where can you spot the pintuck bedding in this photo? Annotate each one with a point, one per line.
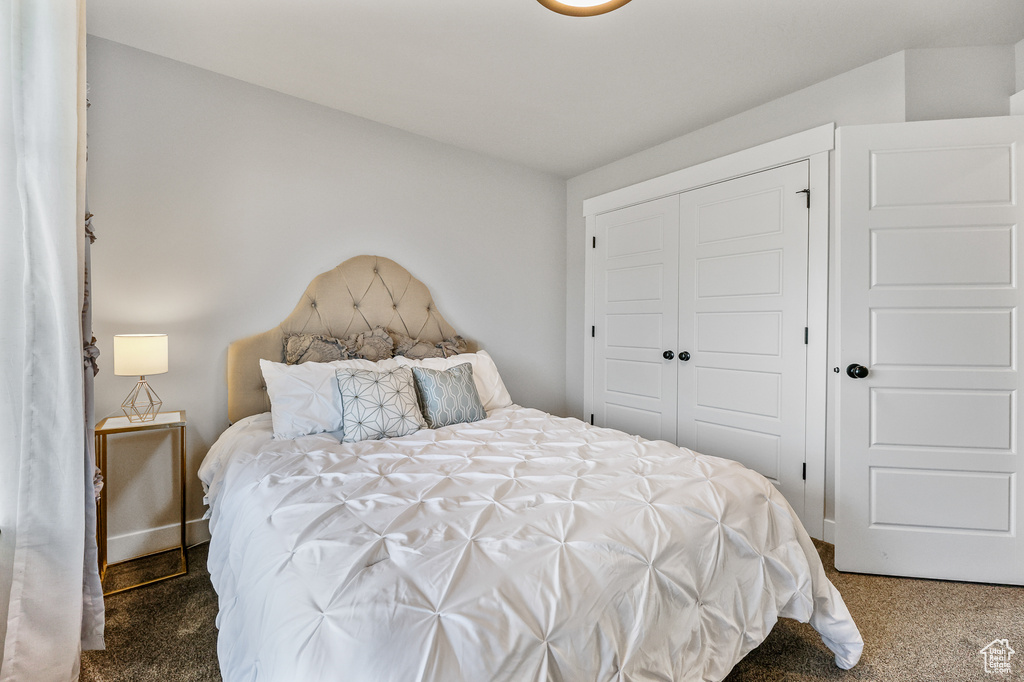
(521, 547)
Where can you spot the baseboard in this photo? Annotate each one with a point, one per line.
(830, 531)
(139, 543)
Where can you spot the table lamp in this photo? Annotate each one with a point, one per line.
(140, 355)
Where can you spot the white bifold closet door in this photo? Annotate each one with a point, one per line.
(637, 299)
(929, 454)
(743, 315)
(701, 310)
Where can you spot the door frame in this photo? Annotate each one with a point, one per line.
(815, 146)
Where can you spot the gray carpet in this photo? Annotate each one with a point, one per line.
(165, 631)
(914, 631)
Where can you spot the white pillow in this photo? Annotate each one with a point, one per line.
(305, 399)
(489, 385)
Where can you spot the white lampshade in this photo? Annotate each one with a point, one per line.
(140, 354)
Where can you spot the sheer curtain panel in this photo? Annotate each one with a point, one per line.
(50, 606)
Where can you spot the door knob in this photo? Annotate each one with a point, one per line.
(857, 371)
(684, 355)
(668, 355)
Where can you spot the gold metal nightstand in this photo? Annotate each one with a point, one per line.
(114, 425)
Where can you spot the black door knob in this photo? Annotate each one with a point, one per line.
(684, 356)
(857, 371)
(668, 355)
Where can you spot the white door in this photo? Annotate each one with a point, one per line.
(636, 258)
(928, 458)
(742, 320)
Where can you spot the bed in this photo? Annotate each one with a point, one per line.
(519, 546)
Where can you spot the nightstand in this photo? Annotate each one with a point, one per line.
(118, 425)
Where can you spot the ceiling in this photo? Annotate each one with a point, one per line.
(511, 79)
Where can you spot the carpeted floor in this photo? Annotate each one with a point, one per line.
(914, 631)
(163, 632)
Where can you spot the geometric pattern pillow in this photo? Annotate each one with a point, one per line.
(448, 396)
(378, 404)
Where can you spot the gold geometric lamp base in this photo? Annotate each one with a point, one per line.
(142, 404)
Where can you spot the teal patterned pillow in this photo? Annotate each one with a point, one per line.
(378, 404)
(448, 396)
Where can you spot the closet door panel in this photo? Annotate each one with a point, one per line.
(742, 313)
(636, 308)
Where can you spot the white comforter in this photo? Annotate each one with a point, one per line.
(522, 547)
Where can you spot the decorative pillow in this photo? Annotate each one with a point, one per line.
(417, 350)
(305, 399)
(299, 348)
(448, 396)
(375, 344)
(378, 404)
(452, 346)
(489, 385)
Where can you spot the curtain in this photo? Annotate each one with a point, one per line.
(51, 605)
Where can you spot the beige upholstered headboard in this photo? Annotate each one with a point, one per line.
(362, 293)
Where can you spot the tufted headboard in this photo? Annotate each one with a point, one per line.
(362, 293)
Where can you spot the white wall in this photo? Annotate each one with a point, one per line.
(965, 82)
(217, 201)
(1017, 100)
(1018, 51)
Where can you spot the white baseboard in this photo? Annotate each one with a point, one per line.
(830, 531)
(139, 543)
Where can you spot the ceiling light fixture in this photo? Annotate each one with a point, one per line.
(582, 8)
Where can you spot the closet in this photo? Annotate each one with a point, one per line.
(700, 321)
(707, 308)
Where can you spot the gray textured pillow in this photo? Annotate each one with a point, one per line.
(374, 345)
(378, 404)
(300, 348)
(448, 396)
(417, 350)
